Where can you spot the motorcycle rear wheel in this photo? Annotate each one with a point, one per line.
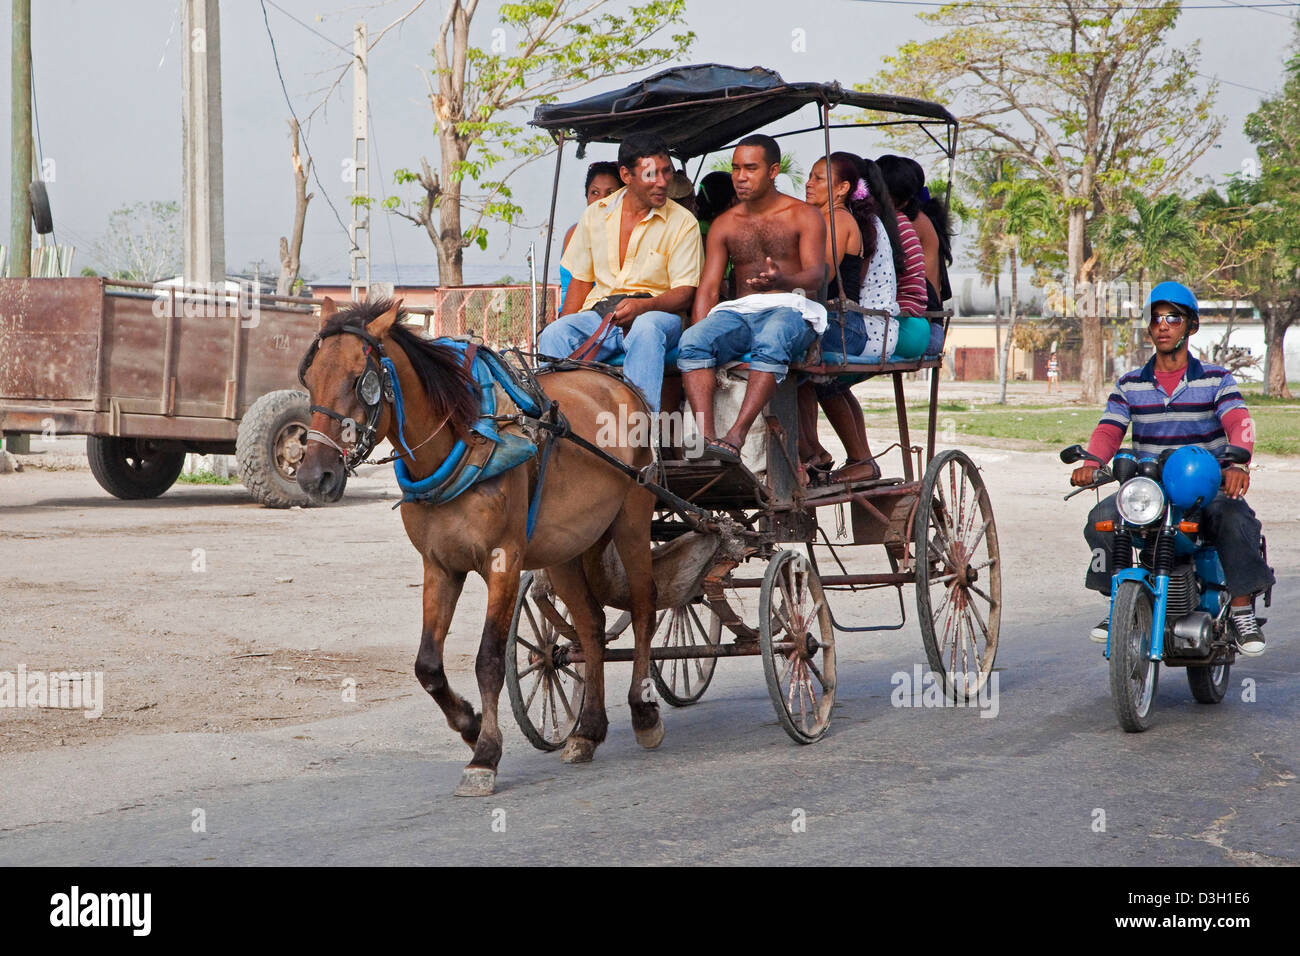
(1133, 675)
(1209, 682)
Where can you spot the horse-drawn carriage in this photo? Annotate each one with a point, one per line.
(934, 522)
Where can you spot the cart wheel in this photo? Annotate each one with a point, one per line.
(958, 574)
(546, 694)
(683, 681)
(798, 646)
(133, 468)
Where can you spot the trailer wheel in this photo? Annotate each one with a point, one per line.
(272, 439)
(133, 468)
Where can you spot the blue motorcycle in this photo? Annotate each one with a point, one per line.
(1171, 605)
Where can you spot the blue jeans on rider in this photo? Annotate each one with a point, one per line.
(774, 338)
(1227, 523)
(651, 337)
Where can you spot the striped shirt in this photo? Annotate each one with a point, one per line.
(911, 284)
(1192, 415)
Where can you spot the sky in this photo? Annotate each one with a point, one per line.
(107, 82)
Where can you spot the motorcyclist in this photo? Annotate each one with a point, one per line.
(1176, 400)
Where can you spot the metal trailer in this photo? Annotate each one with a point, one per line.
(935, 521)
(150, 373)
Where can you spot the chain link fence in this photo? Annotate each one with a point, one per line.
(498, 314)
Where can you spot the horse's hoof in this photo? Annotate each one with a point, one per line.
(578, 750)
(477, 782)
(651, 737)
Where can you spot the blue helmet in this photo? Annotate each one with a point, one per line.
(1175, 293)
(1191, 473)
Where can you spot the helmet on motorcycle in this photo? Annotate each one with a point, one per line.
(1189, 474)
(1175, 293)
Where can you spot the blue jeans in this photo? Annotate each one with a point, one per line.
(936, 341)
(652, 335)
(774, 338)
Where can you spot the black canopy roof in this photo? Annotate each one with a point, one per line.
(701, 108)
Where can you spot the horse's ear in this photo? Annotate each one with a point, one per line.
(379, 327)
(327, 310)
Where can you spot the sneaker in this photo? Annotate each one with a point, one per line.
(1250, 639)
(1101, 632)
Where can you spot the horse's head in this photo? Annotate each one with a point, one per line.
(353, 384)
(350, 393)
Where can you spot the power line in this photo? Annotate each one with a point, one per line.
(1270, 12)
(314, 170)
(388, 220)
(1219, 79)
(308, 26)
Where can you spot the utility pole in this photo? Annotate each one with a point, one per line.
(203, 215)
(359, 231)
(20, 202)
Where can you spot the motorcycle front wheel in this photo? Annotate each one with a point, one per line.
(1133, 675)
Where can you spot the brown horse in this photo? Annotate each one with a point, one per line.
(585, 505)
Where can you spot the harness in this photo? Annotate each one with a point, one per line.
(489, 451)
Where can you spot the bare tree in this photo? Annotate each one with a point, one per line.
(143, 242)
(291, 246)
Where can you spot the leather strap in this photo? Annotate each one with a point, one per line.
(580, 354)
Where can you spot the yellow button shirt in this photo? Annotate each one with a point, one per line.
(663, 252)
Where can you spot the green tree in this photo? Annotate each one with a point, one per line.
(1274, 128)
(480, 97)
(1086, 95)
(1153, 235)
(1025, 216)
(789, 166)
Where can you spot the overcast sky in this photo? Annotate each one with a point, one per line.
(108, 97)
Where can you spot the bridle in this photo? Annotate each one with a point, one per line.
(376, 385)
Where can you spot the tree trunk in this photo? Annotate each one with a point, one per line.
(1011, 331)
(997, 316)
(291, 248)
(1091, 365)
(1277, 320)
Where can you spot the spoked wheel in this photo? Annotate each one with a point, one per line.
(958, 574)
(1209, 683)
(546, 692)
(798, 645)
(683, 681)
(1133, 675)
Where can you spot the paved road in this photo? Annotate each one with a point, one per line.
(888, 785)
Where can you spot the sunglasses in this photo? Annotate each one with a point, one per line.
(1168, 318)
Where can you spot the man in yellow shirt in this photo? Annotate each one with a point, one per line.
(635, 241)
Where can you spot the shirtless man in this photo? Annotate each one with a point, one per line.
(777, 246)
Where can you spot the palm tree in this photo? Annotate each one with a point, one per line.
(788, 166)
(978, 179)
(1025, 215)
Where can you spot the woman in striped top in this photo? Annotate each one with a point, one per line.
(914, 296)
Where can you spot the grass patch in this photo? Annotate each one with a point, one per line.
(1277, 424)
(205, 478)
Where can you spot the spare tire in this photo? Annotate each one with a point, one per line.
(42, 218)
(133, 468)
(272, 439)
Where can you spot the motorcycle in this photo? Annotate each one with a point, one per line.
(1171, 606)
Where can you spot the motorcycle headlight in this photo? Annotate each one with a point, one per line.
(1140, 501)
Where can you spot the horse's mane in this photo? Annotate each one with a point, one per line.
(452, 390)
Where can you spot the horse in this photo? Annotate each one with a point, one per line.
(585, 505)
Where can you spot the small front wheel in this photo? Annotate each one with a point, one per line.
(1133, 675)
(798, 646)
(683, 681)
(1209, 682)
(546, 691)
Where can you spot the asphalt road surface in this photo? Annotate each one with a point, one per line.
(1044, 776)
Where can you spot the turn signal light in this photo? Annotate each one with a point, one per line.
(1189, 527)
(1105, 526)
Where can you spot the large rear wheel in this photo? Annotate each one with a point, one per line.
(1133, 675)
(958, 574)
(133, 468)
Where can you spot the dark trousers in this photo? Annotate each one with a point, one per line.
(1227, 523)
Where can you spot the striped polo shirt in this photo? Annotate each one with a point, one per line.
(1192, 415)
(911, 284)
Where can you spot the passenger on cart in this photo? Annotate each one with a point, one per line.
(635, 258)
(776, 244)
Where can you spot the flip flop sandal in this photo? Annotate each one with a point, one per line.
(721, 450)
(819, 470)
